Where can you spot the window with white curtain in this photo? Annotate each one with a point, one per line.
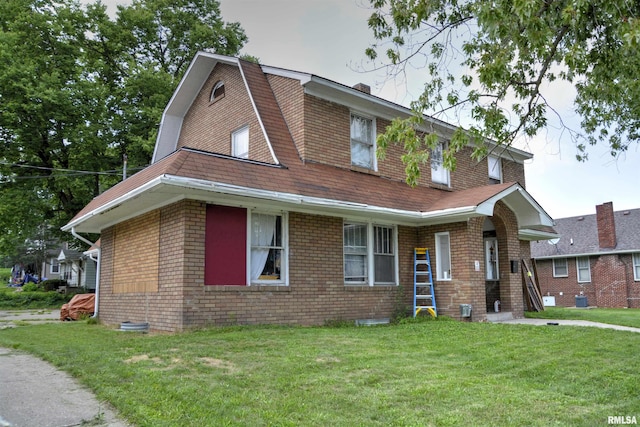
(584, 269)
(443, 256)
(636, 267)
(370, 256)
(362, 141)
(439, 174)
(268, 256)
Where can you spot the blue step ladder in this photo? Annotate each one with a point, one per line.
(424, 298)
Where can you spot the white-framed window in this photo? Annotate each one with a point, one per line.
(363, 141)
(494, 165)
(55, 266)
(240, 143)
(636, 266)
(443, 256)
(370, 255)
(268, 248)
(439, 174)
(584, 269)
(217, 92)
(384, 255)
(560, 268)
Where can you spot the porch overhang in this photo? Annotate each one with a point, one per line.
(167, 189)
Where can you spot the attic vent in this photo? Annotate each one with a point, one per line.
(581, 218)
(363, 88)
(626, 213)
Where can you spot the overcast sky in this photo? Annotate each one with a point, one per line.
(328, 38)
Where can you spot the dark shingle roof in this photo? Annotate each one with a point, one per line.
(579, 236)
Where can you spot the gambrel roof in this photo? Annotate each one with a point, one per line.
(289, 183)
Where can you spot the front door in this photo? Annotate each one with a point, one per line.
(492, 273)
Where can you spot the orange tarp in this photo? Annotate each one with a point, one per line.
(79, 304)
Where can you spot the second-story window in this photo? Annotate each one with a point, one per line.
(362, 141)
(439, 174)
(240, 143)
(495, 169)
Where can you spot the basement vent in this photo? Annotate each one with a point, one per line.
(371, 322)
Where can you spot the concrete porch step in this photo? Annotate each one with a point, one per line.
(499, 317)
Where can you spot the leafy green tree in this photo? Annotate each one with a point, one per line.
(80, 90)
(509, 53)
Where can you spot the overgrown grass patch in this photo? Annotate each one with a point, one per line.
(30, 298)
(427, 373)
(615, 316)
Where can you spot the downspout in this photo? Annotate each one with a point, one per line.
(88, 242)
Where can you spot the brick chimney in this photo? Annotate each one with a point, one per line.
(606, 226)
(363, 88)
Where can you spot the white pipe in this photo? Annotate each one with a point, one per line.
(97, 294)
(88, 242)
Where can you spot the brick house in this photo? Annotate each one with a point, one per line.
(265, 203)
(597, 256)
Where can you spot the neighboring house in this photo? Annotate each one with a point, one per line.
(50, 265)
(77, 268)
(70, 266)
(597, 257)
(265, 203)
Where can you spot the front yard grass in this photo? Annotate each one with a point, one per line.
(438, 373)
(614, 316)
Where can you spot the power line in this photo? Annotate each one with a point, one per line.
(70, 172)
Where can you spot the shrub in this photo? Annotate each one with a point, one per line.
(31, 287)
(53, 284)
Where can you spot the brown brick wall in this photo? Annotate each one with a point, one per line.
(467, 286)
(316, 293)
(324, 136)
(612, 284)
(181, 259)
(208, 126)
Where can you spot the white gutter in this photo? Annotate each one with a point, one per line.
(79, 237)
(96, 305)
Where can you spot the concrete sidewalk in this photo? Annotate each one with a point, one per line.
(34, 393)
(552, 322)
(33, 315)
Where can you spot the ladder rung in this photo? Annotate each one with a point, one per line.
(423, 284)
(424, 296)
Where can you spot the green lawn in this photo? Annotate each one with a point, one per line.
(442, 373)
(615, 316)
